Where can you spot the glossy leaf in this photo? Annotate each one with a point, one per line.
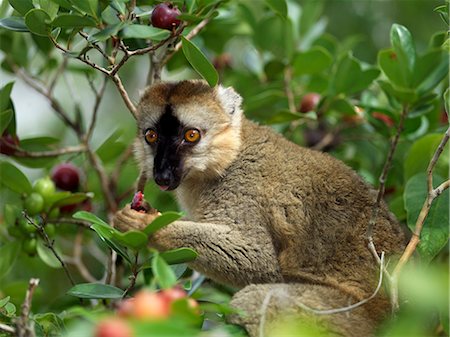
(403, 45)
(132, 239)
(389, 63)
(95, 291)
(50, 7)
(430, 70)
(70, 199)
(92, 218)
(13, 178)
(278, 6)
(180, 255)
(111, 148)
(87, 6)
(14, 23)
(9, 252)
(5, 94)
(106, 33)
(162, 221)
(72, 21)
(435, 231)
(36, 21)
(5, 118)
(144, 32)
(284, 116)
(47, 256)
(164, 275)
(199, 62)
(402, 95)
(22, 6)
(312, 61)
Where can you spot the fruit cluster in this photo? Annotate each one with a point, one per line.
(146, 305)
(38, 205)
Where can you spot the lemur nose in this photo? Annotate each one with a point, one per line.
(163, 178)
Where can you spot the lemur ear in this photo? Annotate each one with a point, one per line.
(231, 101)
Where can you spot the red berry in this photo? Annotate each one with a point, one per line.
(173, 294)
(6, 141)
(151, 306)
(138, 198)
(113, 327)
(165, 16)
(222, 61)
(66, 176)
(309, 102)
(384, 118)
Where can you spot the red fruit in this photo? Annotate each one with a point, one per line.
(309, 102)
(113, 327)
(126, 308)
(173, 294)
(165, 16)
(151, 306)
(222, 61)
(138, 198)
(6, 141)
(66, 176)
(384, 118)
(444, 117)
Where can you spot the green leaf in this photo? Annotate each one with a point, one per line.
(162, 221)
(106, 33)
(14, 23)
(403, 95)
(5, 94)
(63, 3)
(22, 6)
(179, 255)
(278, 6)
(47, 256)
(5, 118)
(144, 32)
(87, 6)
(70, 199)
(199, 62)
(37, 144)
(403, 45)
(9, 252)
(36, 21)
(13, 178)
(447, 101)
(359, 79)
(4, 301)
(10, 309)
(132, 239)
(92, 218)
(284, 116)
(275, 28)
(164, 275)
(50, 7)
(389, 63)
(111, 148)
(71, 21)
(343, 106)
(95, 290)
(424, 149)
(430, 69)
(435, 231)
(315, 60)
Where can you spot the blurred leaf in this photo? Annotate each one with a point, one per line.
(37, 144)
(402, 95)
(72, 198)
(22, 6)
(284, 116)
(5, 119)
(10, 309)
(95, 290)
(87, 6)
(36, 21)
(312, 61)
(164, 275)
(444, 317)
(343, 106)
(111, 148)
(47, 256)
(9, 252)
(443, 12)
(14, 23)
(144, 32)
(359, 79)
(403, 45)
(389, 63)
(161, 221)
(132, 239)
(50, 7)
(438, 39)
(63, 3)
(424, 149)
(104, 34)
(4, 301)
(435, 231)
(274, 69)
(275, 28)
(278, 6)
(71, 20)
(13, 178)
(430, 69)
(92, 218)
(5, 93)
(447, 101)
(119, 6)
(199, 62)
(179, 255)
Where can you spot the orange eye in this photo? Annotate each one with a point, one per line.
(151, 136)
(192, 135)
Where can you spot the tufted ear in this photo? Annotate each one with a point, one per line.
(230, 100)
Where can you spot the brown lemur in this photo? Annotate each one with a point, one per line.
(264, 214)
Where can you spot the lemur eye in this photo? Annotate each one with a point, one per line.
(192, 135)
(151, 136)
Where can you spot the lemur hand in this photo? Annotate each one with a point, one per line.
(127, 218)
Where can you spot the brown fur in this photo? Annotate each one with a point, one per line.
(275, 218)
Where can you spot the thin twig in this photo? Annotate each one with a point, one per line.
(60, 70)
(77, 259)
(19, 152)
(383, 176)
(97, 47)
(8, 329)
(433, 193)
(288, 89)
(118, 82)
(135, 271)
(23, 326)
(49, 244)
(98, 98)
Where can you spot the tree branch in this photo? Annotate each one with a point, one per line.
(19, 152)
(98, 98)
(7, 329)
(23, 326)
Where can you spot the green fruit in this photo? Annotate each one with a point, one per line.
(26, 227)
(34, 203)
(30, 246)
(45, 187)
(54, 213)
(14, 231)
(50, 229)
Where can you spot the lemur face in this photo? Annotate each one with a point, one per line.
(187, 128)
